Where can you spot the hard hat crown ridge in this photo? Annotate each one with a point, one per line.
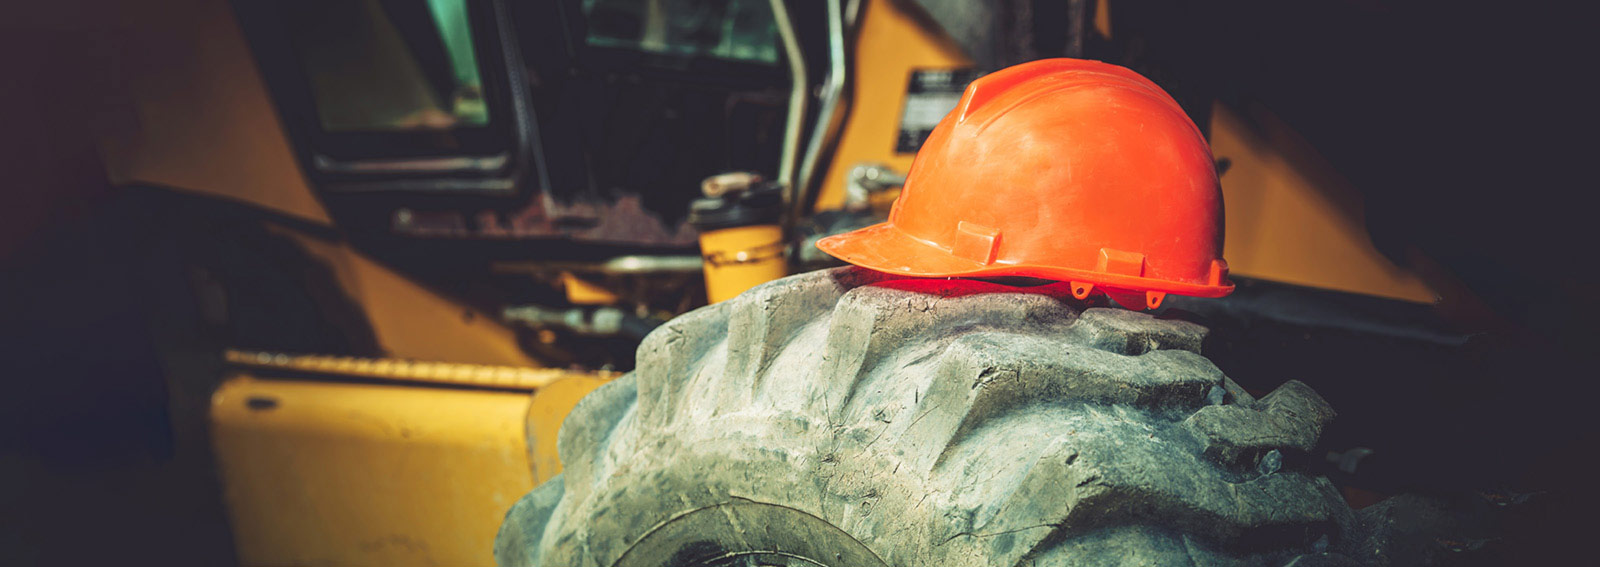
(1062, 169)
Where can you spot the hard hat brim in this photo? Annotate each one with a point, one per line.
(885, 248)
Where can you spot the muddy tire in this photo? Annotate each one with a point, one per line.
(837, 418)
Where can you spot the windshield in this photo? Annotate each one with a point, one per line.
(742, 30)
(380, 65)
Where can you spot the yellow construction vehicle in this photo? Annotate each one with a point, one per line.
(383, 248)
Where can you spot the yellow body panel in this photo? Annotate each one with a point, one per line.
(394, 473)
(581, 292)
(319, 473)
(892, 43)
(1292, 218)
(412, 321)
(196, 116)
(549, 408)
(739, 258)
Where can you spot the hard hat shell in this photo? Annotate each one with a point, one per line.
(1062, 169)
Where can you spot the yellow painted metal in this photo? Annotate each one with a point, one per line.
(739, 258)
(1102, 18)
(412, 321)
(892, 43)
(417, 371)
(581, 292)
(322, 473)
(196, 115)
(1292, 218)
(549, 408)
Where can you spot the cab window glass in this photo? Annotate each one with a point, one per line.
(742, 30)
(384, 65)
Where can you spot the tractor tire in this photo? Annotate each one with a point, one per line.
(843, 418)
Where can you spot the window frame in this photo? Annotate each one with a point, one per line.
(490, 159)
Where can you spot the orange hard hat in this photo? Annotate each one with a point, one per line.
(1061, 169)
